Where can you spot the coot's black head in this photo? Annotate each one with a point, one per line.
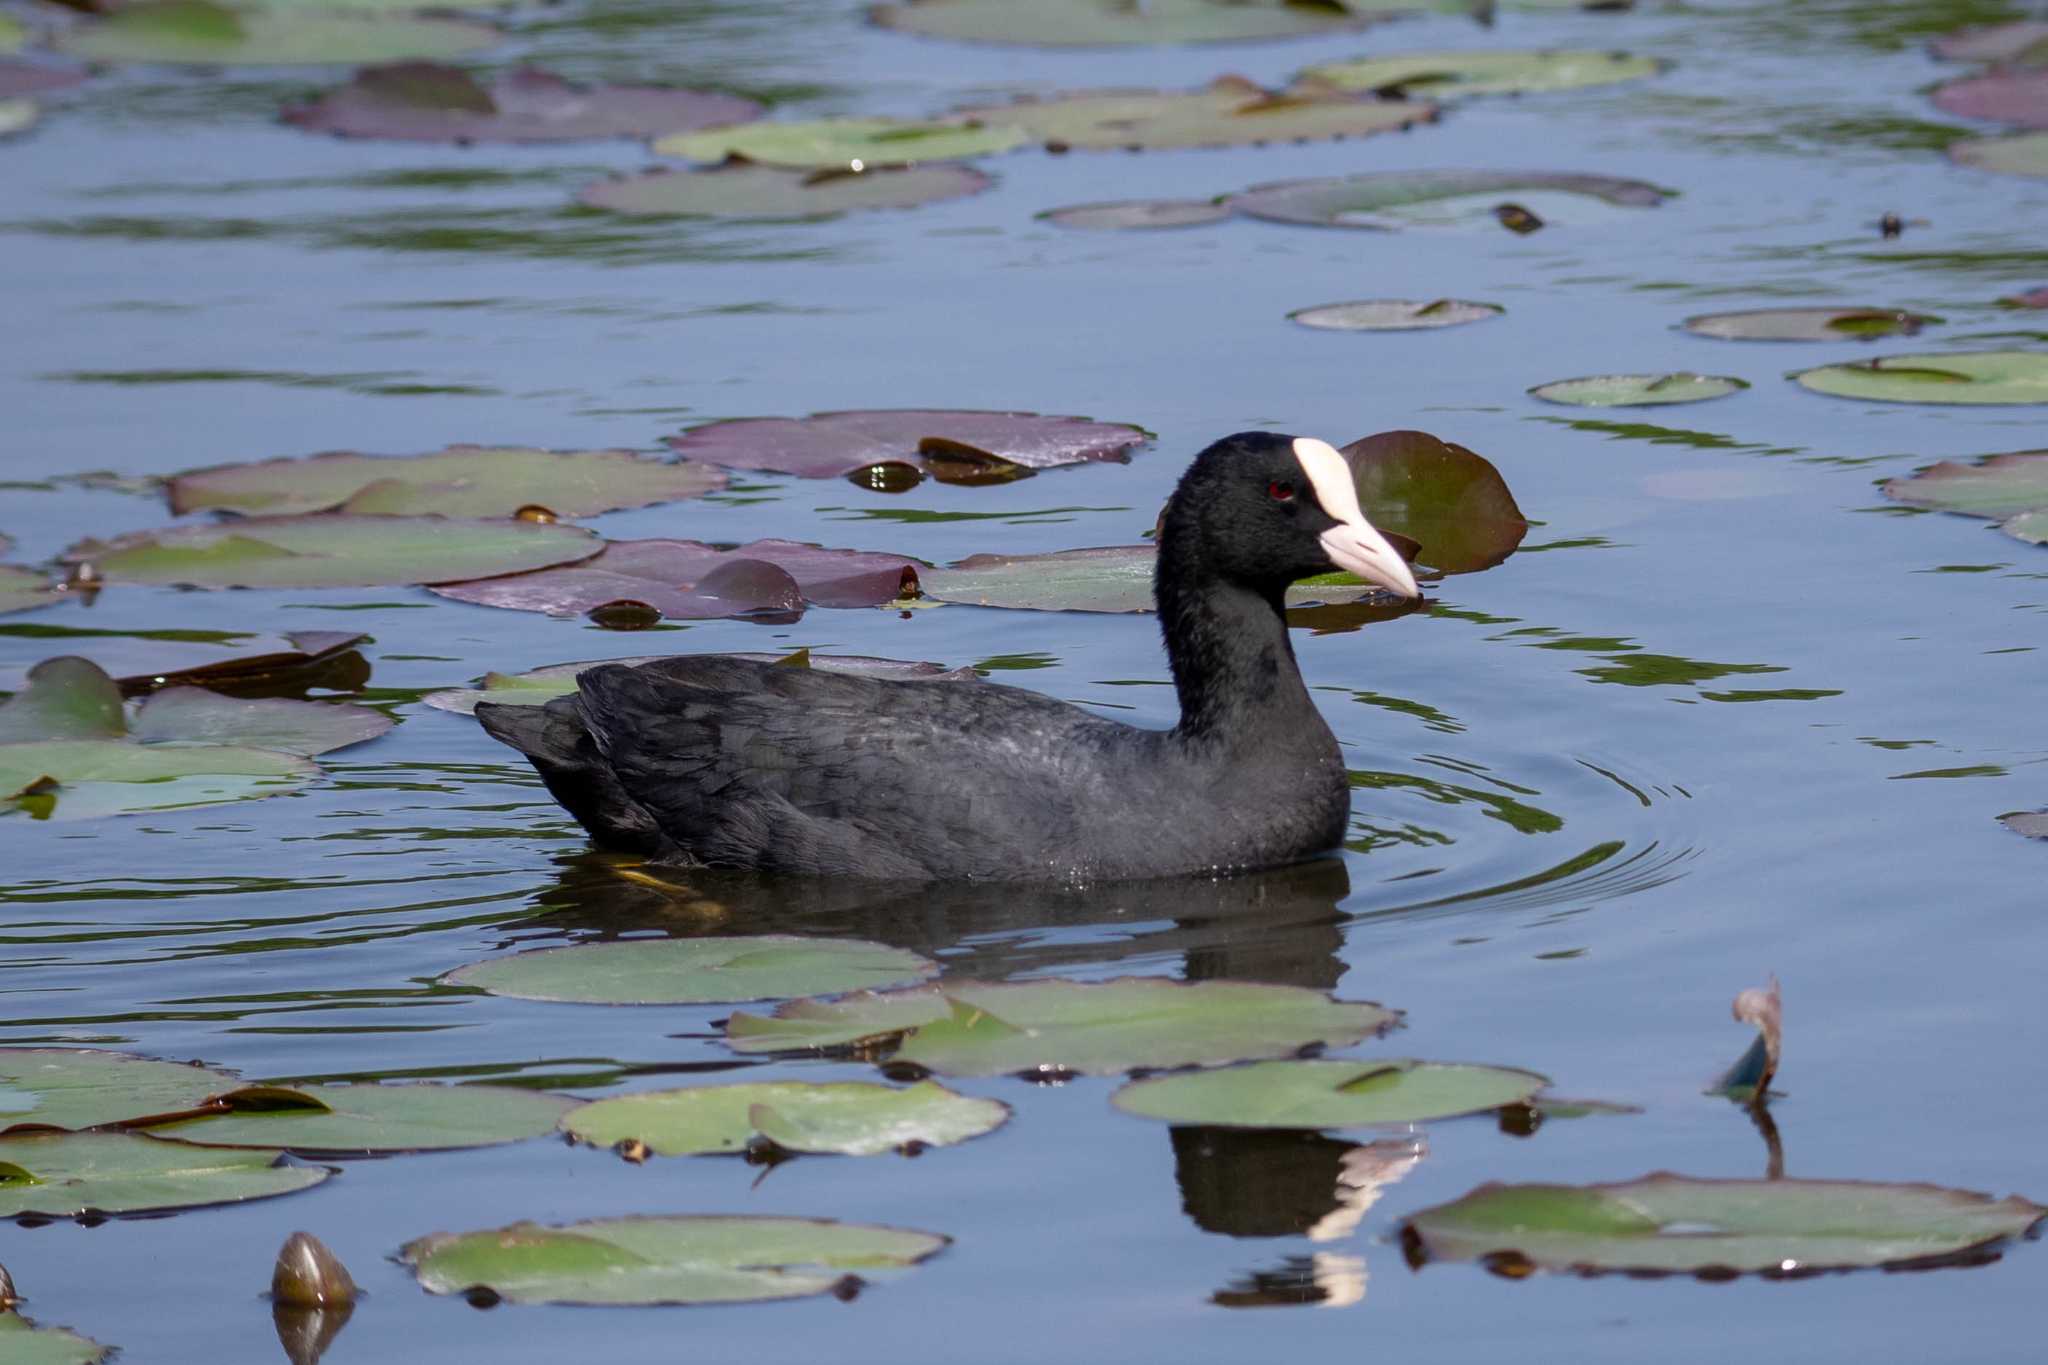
(1263, 510)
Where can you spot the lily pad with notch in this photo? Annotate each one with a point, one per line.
(1639, 390)
(24, 1343)
(1228, 112)
(1958, 377)
(691, 971)
(1327, 1093)
(198, 31)
(2020, 154)
(1394, 315)
(1810, 324)
(953, 446)
(541, 685)
(73, 1088)
(1116, 23)
(73, 1175)
(1456, 74)
(1389, 200)
(368, 1120)
(858, 143)
(1129, 215)
(847, 1118)
(740, 189)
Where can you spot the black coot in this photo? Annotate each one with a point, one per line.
(718, 761)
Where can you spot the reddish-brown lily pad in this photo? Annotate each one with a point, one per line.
(25, 78)
(741, 189)
(431, 102)
(224, 662)
(1229, 112)
(958, 446)
(2018, 97)
(1451, 502)
(2024, 40)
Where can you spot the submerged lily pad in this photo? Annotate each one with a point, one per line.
(743, 190)
(1229, 112)
(1969, 377)
(831, 142)
(1452, 74)
(829, 444)
(1672, 1224)
(1327, 1094)
(330, 551)
(1639, 390)
(66, 1175)
(24, 78)
(363, 1120)
(850, 1118)
(1451, 502)
(541, 685)
(227, 662)
(649, 1260)
(2020, 40)
(1138, 214)
(2018, 97)
(2020, 154)
(1394, 315)
(1397, 199)
(72, 1088)
(461, 481)
(202, 32)
(1105, 23)
(1997, 486)
(1809, 324)
(24, 1343)
(428, 102)
(692, 971)
(1098, 1028)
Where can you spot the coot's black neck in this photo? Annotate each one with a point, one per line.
(1233, 666)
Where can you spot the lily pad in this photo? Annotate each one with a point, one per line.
(852, 142)
(333, 552)
(693, 971)
(24, 1343)
(1673, 1224)
(1105, 23)
(12, 34)
(1452, 503)
(660, 1260)
(1809, 324)
(25, 590)
(1327, 1094)
(2020, 154)
(72, 1088)
(1453, 74)
(461, 481)
(1114, 578)
(743, 190)
(829, 444)
(2020, 40)
(201, 32)
(2032, 527)
(25, 78)
(2032, 823)
(1997, 486)
(1639, 390)
(688, 579)
(365, 1120)
(221, 661)
(1396, 199)
(2018, 97)
(85, 779)
(66, 698)
(1394, 315)
(850, 1118)
(542, 685)
(1969, 377)
(1096, 1028)
(1138, 214)
(66, 1175)
(1229, 112)
(17, 116)
(428, 102)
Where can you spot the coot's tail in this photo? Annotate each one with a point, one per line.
(561, 750)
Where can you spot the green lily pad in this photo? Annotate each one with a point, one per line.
(66, 698)
(1106, 23)
(193, 715)
(1809, 324)
(330, 551)
(660, 1260)
(1638, 390)
(1327, 1094)
(743, 190)
(2032, 527)
(18, 116)
(2019, 154)
(558, 680)
(1451, 75)
(1971, 377)
(461, 481)
(831, 142)
(1672, 1224)
(364, 1120)
(98, 777)
(1452, 503)
(66, 1175)
(1138, 214)
(71, 1088)
(1097, 1028)
(679, 971)
(1114, 578)
(1229, 112)
(213, 35)
(24, 1343)
(1387, 200)
(1997, 486)
(851, 1118)
(12, 34)
(1394, 315)
(25, 590)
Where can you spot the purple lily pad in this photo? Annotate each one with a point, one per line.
(954, 446)
(741, 189)
(2017, 97)
(26, 78)
(1995, 43)
(2032, 298)
(689, 580)
(430, 102)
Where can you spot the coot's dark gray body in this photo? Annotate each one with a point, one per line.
(729, 763)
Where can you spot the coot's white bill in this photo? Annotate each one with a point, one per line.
(1352, 544)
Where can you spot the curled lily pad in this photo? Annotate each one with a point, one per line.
(25, 590)
(2021, 154)
(679, 971)
(429, 102)
(72, 1088)
(1097, 1028)
(1809, 324)
(1967, 377)
(1639, 390)
(24, 1343)
(1453, 74)
(67, 1175)
(851, 1118)
(1997, 486)
(1394, 315)
(649, 1260)
(202, 32)
(1138, 214)
(333, 552)
(25, 78)
(223, 661)
(362, 1120)
(1327, 1094)
(1229, 112)
(1673, 1224)
(1397, 199)
(1451, 503)
(2018, 96)
(1105, 23)
(827, 444)
(831, 142)
(557, 680)
(461, 481)
(743, 190)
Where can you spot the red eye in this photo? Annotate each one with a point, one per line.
(1280, 492)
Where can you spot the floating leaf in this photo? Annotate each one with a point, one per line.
(1230, 112)
(427, 102)
(1397, 199)
(651, 1260)
(851, 1118)
(71, 1088)
(688, 579)
(1972, 377)
(679, 971)
(1394, 315)
(1638, 390)
(2032, 823)
(831, 142)
(2020, 154)
(2018, 97)
(66, 1175)
(193, 715)
(66, 698)
(1749, 1080)
(24, 78)
(1327, 1094)
(202, 32)
(86, 778)
(17, 116)
(1109, 578)
(1996, 486)
(1103, 23)
(828, 444)
(223, 661)
(461, 481)
(1129, 214)
(333, 552)
(1450, 502)
(1672, 1224)
(24, 1343)
(743, 190)
(1098, 1028)
(25, 590)
(12, 34)
(1453, 74)
(2032, 527)
(1809, 324)
(363, 1120)
(2017, 40)
(557, 680)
